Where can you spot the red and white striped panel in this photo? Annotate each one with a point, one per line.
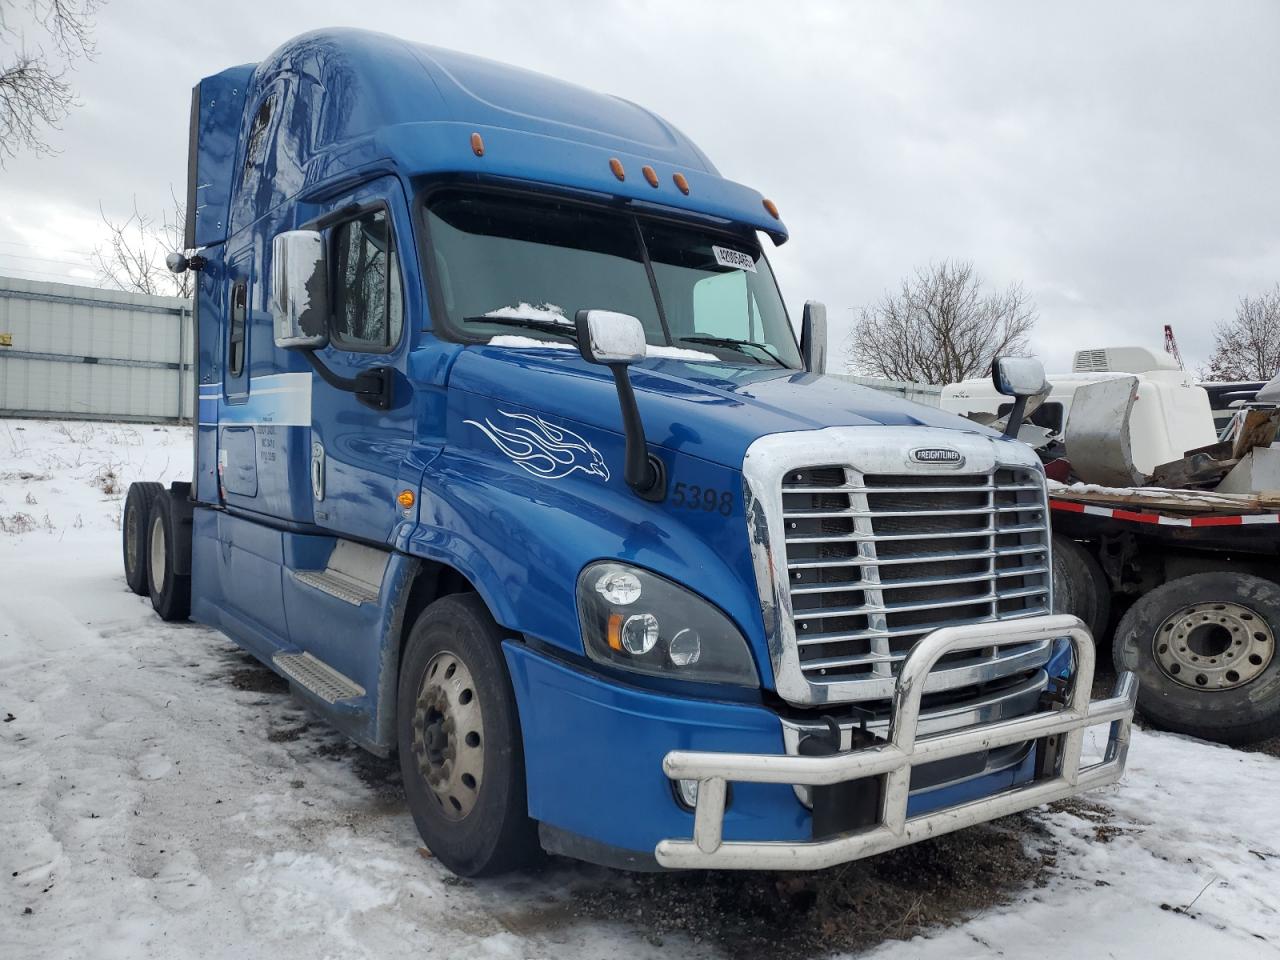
(1159, 519)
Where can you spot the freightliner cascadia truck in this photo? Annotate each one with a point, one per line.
(509, 459)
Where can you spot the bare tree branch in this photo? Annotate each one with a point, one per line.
(133, 256)
(35, 93)
(940, 326)
(1248, 347)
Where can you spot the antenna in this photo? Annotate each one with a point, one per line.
(1171, 346)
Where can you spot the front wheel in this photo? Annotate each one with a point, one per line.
(459, 741)
(1204, 649)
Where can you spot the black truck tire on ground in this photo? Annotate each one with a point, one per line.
(168, 535)
(1079, 586)
(133, 526)
(458, 735)
(1203, 647)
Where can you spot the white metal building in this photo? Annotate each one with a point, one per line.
(71, 351)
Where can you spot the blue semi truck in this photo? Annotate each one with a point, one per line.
(509, 459)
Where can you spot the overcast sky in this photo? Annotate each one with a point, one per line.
(1119, 160)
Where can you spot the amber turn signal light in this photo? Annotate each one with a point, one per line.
(405, 499)
(772, 208)
(613, 632)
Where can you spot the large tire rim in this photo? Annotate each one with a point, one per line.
(156, 552)
(448, 729)
(1213, 646)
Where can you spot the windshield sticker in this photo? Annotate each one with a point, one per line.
(734, 258)
(542, 448)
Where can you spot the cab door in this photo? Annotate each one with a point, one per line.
(357, 451)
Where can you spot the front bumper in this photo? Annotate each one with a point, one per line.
(1063, 727)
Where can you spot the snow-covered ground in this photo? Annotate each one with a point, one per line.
(162, 796)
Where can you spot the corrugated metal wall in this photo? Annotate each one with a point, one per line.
(70, 351)
(927, 393)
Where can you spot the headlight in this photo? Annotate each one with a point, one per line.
(639, 621)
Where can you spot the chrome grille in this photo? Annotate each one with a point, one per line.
(876, 561)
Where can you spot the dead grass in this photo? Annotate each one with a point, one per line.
(107, 479)
(17, 523)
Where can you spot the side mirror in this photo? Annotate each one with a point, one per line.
(607, 337)
(617, 340)
(1020, 378)
(299, 290)
(813, 337)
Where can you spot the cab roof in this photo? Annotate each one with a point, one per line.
(352, 100)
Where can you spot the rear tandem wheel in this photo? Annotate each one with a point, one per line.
(1203, 647)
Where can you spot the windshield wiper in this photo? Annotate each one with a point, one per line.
(739, 345)
(566, 330)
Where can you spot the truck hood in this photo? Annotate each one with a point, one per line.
(706, 409)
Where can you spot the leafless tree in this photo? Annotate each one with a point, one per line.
(940, 326)
(1248, 347)
(132, 258)
(35, 93)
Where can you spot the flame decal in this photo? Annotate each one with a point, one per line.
(542, 448)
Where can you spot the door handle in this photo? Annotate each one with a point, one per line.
(317, 470)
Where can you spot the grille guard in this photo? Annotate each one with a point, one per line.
(895, 759)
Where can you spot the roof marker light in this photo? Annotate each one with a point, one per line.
(616, 166)
(681, 183)
(477, 145)
(772, 208)
(651, 175)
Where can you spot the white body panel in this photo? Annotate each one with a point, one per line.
(1171, 414)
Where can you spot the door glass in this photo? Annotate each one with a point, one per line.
(368, 310)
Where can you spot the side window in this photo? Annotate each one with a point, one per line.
(367, 310)
(235, 343)
(256, 149)
(721, 303)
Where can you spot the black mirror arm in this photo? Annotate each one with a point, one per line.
(644, 473)
(372, 387)
(1016, 413)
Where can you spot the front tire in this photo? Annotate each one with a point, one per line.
(1203, 647)
(458, 734)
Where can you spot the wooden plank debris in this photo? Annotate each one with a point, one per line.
(1166, 500)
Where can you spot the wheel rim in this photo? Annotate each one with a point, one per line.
(156, 553)
(1214, 646)
(448, 735)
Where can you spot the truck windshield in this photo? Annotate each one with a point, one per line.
(498, 259)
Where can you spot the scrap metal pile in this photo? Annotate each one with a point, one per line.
(1092, 460)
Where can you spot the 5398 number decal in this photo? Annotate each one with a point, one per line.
(707, 499)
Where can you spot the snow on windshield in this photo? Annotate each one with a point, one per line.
(528, 311)
(652, 350)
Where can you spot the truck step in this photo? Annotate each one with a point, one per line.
(318, 677)
(353, 574)
(349, 589)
